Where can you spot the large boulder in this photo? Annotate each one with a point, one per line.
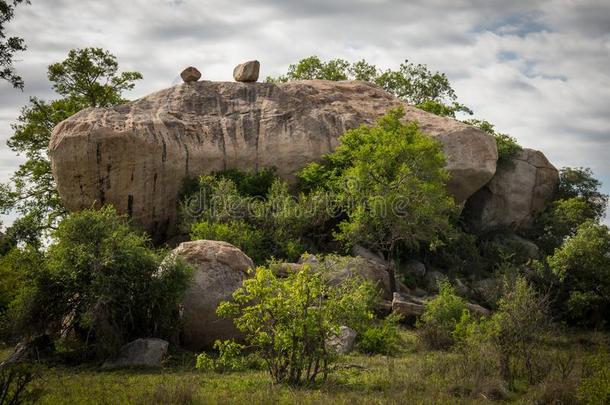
(136, 155)
(517, 192)
(219, 269)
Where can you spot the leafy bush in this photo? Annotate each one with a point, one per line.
(252, 184)
(249, 239)
(442, 314)
(231, 357)
(582, 266)
(101, 280)
(595, 385)
(288, 321)
(16, 384)
(579, 182)
(383, 338)
(280, 225)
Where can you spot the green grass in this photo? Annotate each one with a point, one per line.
(414, 376)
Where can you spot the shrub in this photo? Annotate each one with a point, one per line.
(383, 338)
(595, 385)
(247, 238)
(252, 184)
(288, 321)
(442, 314)
(582, 266)
(517, 330)
(101, 280)
(16, 384)
(506, 144)
(231, 357)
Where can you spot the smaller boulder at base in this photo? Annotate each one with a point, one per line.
(343, 341)
(247, 72)
(219, 269)
(140, 353)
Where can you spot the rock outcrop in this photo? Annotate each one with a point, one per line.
(343, 341)
(219, 270)
(519, 189)
(135, 156)
(247, 71)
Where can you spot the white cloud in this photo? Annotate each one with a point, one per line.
(538, 70)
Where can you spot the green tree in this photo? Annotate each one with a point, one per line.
(288, 321)
(393, 191)
(11, 45)
(579, 182)
(87, 78)
(582, 265)
(102, 281)
(412, 83)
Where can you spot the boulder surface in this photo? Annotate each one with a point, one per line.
(247, 71)
(517, 192)
(140, 353)
(135, 156)
(219, 269)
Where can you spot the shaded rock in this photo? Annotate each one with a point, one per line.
(407, 307)
(477, 309)
(285, 269)
(343, 342)
(135, 156)
(340, 269)
(140, 353)
(190, 75)
(219, 269)
(359, 250)
(247, 72)
(432, 280)
(414, 268)
(517, 192)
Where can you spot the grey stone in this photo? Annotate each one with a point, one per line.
(140, 353)
(343, 341)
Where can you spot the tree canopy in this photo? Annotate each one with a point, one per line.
(11, 45)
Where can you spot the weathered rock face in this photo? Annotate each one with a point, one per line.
(219, 270)
(519, 189)
(343, 342)
(135, 156)
(190, 74)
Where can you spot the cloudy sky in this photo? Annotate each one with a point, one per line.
(538, 69)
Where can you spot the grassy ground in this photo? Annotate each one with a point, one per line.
(413, 377)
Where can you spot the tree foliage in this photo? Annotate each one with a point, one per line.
(507, 145)
(87, 78)
(288, 321)
(412, 83)
(11, 45)
(389, 180)
(582, 265)
(101, 281)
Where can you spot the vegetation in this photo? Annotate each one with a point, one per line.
(10, 46)
(288, 321)
(414, 84)
(86, 78)
(100, 282)
(507, 145)
(16, 384)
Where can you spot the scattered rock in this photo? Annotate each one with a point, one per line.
(415, 268)
(190, 75)
(516, 193)
(359, 250)
(406, 307)
(340, 269)
(219, 270)
(343, 342)
(247, 72)
(140, 353)
(477, 309)
(135, 155)
(432, 280)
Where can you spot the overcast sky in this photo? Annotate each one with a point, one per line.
(538, 70)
